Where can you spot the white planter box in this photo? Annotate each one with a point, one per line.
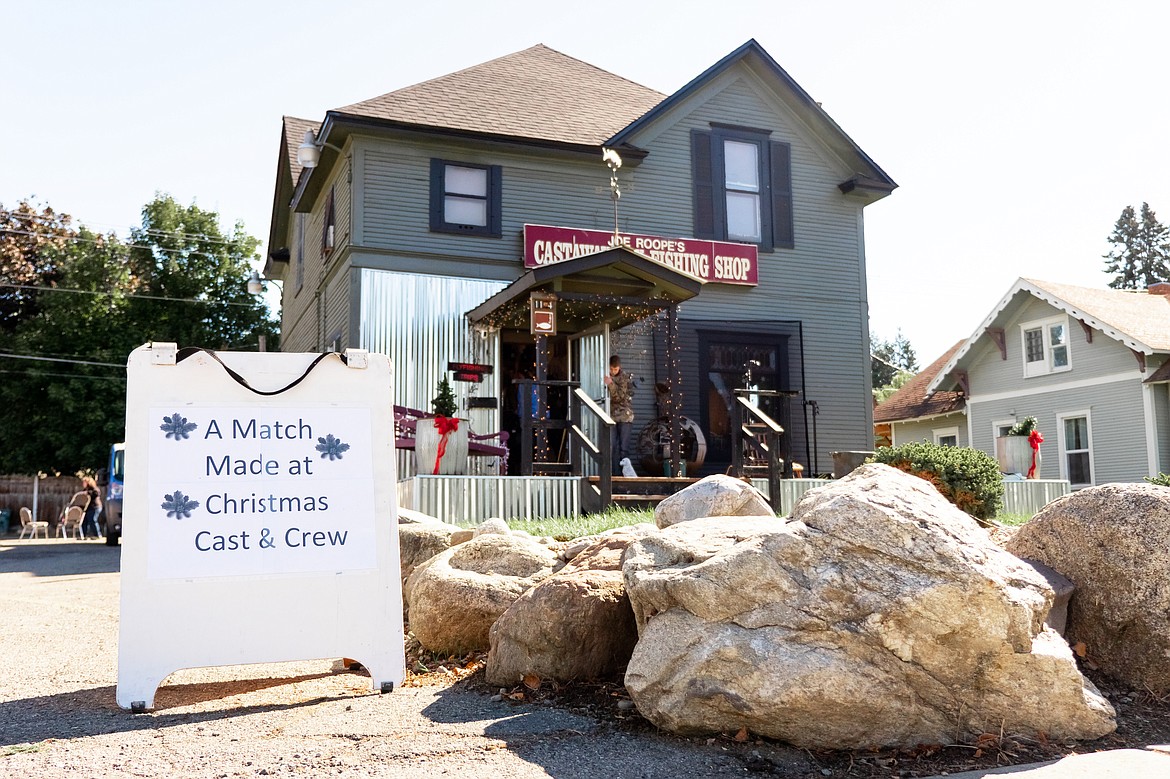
(426, 449)
(1014, 454)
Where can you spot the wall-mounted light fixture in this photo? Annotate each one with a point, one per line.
(309, 152)
(256, 285)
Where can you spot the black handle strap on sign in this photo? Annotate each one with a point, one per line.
(188, 351)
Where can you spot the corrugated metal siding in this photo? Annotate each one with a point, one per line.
(418, 321)
(472, 499)
(1117, 427)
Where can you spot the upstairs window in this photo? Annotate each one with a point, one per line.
(465, 198)
(1045, 347)
(328, 225)
(742, 187)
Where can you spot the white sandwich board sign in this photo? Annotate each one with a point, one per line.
(259, 515)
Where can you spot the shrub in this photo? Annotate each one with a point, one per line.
(966, 477)
(1162, 479)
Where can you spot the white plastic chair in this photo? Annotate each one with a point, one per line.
(30, 525)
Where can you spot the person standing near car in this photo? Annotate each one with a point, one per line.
(89, 525)
(621, 409)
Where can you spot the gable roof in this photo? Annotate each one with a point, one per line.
(538, 93)
(868, 178)
(913, 401)
(1137, 319)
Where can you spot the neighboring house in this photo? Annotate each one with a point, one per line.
(430, 202)
(913, 414)
(1089, 364)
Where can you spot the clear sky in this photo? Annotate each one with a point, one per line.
(1017, 131)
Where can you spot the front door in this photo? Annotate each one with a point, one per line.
(730, 361)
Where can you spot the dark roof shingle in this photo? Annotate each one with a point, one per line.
(537, 93)
(911, 400)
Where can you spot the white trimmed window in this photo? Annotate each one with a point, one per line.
(1001, 428)
(1045, 346)
(1076, 450)
(946, 436)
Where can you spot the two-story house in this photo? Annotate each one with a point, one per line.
(1090, 364)
(419, 222)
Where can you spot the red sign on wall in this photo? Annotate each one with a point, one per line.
(717, 262)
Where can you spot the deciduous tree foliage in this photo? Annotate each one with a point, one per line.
(30, 243)
(177, 278)
(1140, 255)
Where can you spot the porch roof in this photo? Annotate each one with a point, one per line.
(615, 287)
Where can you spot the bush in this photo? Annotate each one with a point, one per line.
(1162, 479)
(966, 477)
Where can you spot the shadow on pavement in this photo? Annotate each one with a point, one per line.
(96, 712)
(59, 557)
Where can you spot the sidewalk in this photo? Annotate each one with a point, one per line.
(1150, 763)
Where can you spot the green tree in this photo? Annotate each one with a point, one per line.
(887, 358)
(31, 242)
(1140, 254)
(177, 279)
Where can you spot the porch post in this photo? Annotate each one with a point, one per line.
(674, 402)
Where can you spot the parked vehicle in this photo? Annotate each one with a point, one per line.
(112, 485)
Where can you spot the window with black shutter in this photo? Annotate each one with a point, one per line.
(742, 187)
(465, 198)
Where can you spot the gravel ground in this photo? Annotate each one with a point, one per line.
(59, 718)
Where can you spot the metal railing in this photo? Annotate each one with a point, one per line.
(600, 452)
(756, 432)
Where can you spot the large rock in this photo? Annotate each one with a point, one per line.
(713, 496)
(574, 625)
(455, 596)
(882, 615)
(1113, 542)
(417, 543)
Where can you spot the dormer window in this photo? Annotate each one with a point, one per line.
(1045, 347)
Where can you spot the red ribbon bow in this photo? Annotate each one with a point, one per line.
(1035, 439)
(446, 426)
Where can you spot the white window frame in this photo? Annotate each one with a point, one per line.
(1064, 452)
(998, 425)
(944, 432)
(1045, 367)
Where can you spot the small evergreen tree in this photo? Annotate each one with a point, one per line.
(444, 404)
(887, 358)
(1141, 250)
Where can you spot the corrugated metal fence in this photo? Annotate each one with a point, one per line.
(472, 499)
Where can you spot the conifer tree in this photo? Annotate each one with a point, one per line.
(1141, 250)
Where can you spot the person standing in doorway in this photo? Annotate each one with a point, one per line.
(621, 408)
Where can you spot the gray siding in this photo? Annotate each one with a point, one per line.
(923, 430)
(821, 282)
(1117, 427)
(990, 374)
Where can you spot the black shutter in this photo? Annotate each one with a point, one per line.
(437, 169)
(783, 233)
(495, 201)
(703, 184)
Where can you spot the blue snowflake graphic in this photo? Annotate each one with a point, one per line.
(331, 447)
(179, 505)
(177, 426)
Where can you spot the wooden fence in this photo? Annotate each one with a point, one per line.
(52, 492)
